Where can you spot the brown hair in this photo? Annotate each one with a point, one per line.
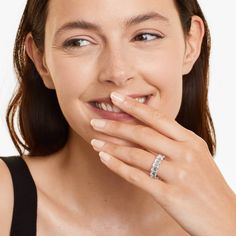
(41, 123)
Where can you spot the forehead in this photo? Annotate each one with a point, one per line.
(106, 11)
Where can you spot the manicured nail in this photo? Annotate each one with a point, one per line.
(117, 97)
(104, 156)
(98, 144)
(98, 123)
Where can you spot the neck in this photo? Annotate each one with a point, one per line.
(83, 166)
(75, 181)
(89, 183)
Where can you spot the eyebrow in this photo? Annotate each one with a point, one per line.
(81, 24)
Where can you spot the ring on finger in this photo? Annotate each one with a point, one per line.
(156, 165)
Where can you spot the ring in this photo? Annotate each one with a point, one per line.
(156, 165)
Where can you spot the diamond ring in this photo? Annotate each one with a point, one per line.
(156, 165)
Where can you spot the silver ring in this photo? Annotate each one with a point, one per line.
(156, 165)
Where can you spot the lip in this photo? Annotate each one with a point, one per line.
(119, 116)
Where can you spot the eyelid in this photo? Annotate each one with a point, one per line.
(68, 43)
(150, 32)
(157, 35)
(77, 38)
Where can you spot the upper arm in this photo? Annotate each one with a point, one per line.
(6, 199)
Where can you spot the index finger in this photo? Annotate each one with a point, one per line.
(150, 116)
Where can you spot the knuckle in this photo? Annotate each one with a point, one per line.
(129, 174)
(190, 133)
(189, 155)
(137, 130)
(117, 127)
(122, 169)
(133, 176)
(182, 175)
(139, 127)
(202, 142)
(198, 142)
(132, 155)
(145, 130)
(180, 152)
(112, 148)
(192, 150)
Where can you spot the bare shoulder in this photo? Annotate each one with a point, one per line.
(6, 199)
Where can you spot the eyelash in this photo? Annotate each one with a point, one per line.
(157, 36)
(74, 42)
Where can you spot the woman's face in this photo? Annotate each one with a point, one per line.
(134, 47)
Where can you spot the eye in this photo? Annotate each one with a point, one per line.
(147, 37)
(72, 43)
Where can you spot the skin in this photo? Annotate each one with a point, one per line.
(83, 199)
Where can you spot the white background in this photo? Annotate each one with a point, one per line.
(222, 94)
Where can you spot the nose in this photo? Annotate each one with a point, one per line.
(116, 67)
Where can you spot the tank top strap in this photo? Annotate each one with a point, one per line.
(24, 219)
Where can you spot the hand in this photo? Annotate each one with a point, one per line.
(190, 186)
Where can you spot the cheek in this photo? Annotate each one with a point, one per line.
(72, 79)
(71, 84)
(69, 79)
(171, 97)
(170, 85)
(164, 71)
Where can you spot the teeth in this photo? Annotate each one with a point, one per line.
(112, 108)
(141, 100)
(104, 107)
(107, 107)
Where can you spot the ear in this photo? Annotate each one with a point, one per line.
(39, 61)
(193, 43)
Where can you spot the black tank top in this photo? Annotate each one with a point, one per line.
(25, 198)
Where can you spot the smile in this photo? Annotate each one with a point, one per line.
(112, 108)
(105, 109)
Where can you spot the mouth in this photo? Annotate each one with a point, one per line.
(108, 106)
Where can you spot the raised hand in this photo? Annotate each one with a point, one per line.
(190, 187)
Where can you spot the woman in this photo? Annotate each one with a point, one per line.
(126, 80)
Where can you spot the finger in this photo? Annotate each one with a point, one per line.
(133, 156)
(135, 176)
(144, 136)
(152, 117)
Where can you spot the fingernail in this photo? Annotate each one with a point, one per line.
(104, 156)
(98, 123)
(117, 97)
(97, 143)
